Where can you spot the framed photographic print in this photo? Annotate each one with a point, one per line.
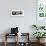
(17, 12)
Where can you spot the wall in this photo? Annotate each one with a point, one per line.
(24, 23)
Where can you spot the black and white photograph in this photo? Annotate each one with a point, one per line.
(17, 12)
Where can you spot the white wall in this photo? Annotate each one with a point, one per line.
(24, 23)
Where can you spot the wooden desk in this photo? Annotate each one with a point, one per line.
(8, 34)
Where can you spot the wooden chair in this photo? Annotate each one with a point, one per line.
(27, 37)
(8, 34)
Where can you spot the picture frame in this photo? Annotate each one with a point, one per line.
(17, 12)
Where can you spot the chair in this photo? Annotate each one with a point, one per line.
(7, 34)
(14, 32)
(25, 43)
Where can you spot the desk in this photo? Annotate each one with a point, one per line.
(8, 34)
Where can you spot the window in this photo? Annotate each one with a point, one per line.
(41, 8)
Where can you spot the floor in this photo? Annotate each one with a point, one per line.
(13, 44)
